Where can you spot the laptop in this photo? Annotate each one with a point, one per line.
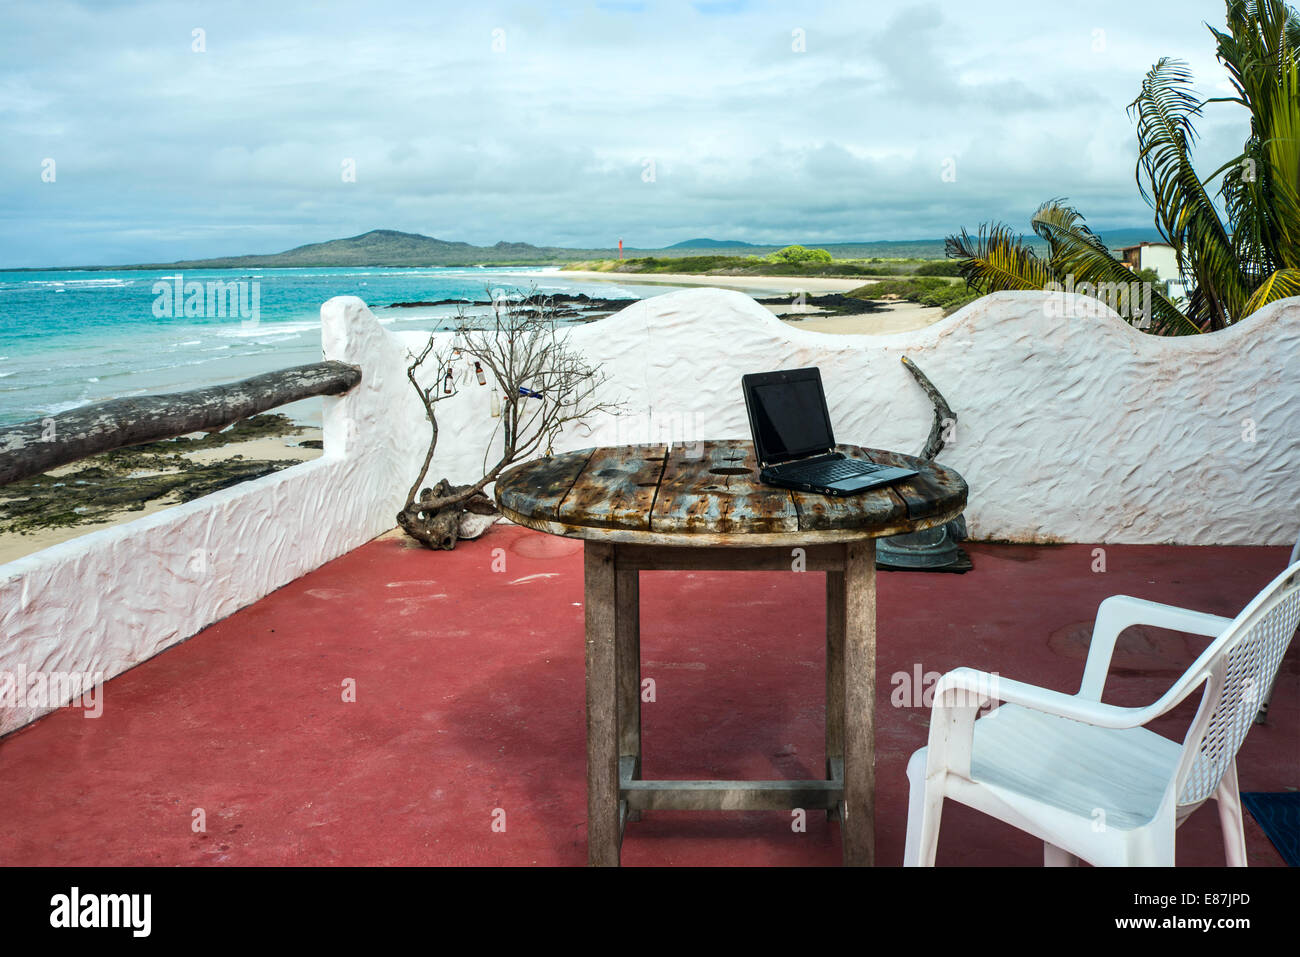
(793, 437)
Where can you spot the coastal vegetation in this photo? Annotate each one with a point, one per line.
(771, 265)
(946, 294)
(798, 254)
(1230, 265)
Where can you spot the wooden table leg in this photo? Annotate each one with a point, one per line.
(834, 679)
(858, 831)
(602, 706)
(627, 639)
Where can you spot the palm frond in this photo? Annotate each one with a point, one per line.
(1064, 220)
(1185, 213)
(1283, 284)
(1078, 254)
(997, 260)
(1281, 149)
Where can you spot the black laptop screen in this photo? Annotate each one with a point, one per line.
(790, 419)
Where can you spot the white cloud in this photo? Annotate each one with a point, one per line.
(164, 153)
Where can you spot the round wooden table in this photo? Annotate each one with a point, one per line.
(700, 506)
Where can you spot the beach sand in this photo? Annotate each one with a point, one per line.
(893, 317)
(17, 544)
(761, 284)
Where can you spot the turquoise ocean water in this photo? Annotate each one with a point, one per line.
(69, 337)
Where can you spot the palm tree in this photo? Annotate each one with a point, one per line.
(1231, 265)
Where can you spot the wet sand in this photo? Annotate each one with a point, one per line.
(17, 544)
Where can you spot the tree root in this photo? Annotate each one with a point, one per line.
(440, 528)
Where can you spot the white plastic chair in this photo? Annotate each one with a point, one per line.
(1086, 777)
(1262, 717)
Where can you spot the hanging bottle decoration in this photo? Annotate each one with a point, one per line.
(496, 403)
(446, 382)
(478, 371)
(528, 393)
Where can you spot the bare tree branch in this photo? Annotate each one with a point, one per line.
(545, 385)
(944, 416)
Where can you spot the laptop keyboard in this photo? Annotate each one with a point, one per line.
(831, 471)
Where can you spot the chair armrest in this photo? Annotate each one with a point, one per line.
(1120, 612)
(960, 694)
(968, 688)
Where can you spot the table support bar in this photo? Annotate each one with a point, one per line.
(728, 795)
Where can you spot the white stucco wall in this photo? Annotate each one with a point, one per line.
(1072, 427)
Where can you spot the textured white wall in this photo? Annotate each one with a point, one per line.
(1072, 427)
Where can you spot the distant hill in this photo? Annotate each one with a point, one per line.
(389, 247)
(711, 244)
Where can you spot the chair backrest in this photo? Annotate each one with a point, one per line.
(1241, 664)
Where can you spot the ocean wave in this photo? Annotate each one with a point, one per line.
(265, 328)
(58, 407)
(88, 283)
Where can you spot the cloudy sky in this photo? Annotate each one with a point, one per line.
(179, 130)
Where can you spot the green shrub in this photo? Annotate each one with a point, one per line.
(933, 291)
(941, 267)
(798, 254)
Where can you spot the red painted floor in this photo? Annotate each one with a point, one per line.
(469, 708)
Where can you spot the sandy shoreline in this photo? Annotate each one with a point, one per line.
(763, 284)
(17, 544)
(892, 317)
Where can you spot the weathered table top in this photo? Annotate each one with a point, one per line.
(709, 493)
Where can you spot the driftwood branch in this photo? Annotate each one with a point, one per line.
(31, 448)
(944, 416)
(544, 385)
